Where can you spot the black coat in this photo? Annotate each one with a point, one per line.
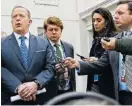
(109, 60)
(105, 82)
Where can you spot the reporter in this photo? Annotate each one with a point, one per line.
(103, 26)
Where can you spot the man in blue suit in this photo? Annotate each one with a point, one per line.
(26, 60)
(112, 59)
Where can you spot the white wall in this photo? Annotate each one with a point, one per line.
(66, 10)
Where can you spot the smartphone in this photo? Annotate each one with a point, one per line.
(61, 60)
(106, 39)
(82, 57)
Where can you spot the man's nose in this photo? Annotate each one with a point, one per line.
(115, 16)
(95, 23)
(18, 18)
(53, 31)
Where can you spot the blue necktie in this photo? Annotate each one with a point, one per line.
(24, 51)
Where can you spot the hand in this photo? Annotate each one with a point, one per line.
(57, 66)
(60, 67)
(108, 45)
(71, 63)
(27, 89)
(23, 90)
(90, 59)
(32, 86)
(30, 98)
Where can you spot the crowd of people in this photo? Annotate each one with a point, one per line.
(33, 63)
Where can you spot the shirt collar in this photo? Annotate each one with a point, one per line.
(52, 43)
(18, 35)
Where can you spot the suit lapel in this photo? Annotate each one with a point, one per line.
(15, 46)
(117, 61)
(71, 72)
(32, 48)
(65, 49)
(52, 49)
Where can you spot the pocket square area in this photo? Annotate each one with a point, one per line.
(40, 51)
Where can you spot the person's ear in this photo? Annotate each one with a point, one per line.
(44, 31)
(30, 21)
(131, 16)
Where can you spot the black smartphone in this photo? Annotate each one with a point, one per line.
(106, 39)
(82, 57)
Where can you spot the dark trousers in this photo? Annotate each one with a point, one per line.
(40, 100)
(5, 98)
(63, 91)
(125, 98)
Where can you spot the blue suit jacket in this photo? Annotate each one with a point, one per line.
(40, 62)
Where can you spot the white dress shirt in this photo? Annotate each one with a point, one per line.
(17, 36)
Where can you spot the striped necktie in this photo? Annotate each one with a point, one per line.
(63, 74)
(58, 51)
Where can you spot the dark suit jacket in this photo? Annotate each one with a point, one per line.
(69, 52)
(104, 84)
(110, 59)
(40, 63)
(124, 46)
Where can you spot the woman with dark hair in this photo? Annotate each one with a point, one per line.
(103, 26)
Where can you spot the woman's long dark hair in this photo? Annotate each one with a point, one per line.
(109, 26)
(108, 31)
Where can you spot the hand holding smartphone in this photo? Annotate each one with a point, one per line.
(106, 39)
(82, 57)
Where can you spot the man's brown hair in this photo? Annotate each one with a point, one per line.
(53, 21)
(129, 2)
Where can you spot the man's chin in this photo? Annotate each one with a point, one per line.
(18, 29)
(118, 25)
(54, 40)
(97, 30)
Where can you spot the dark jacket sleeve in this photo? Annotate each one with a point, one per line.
(96, 67)
(124, 46)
